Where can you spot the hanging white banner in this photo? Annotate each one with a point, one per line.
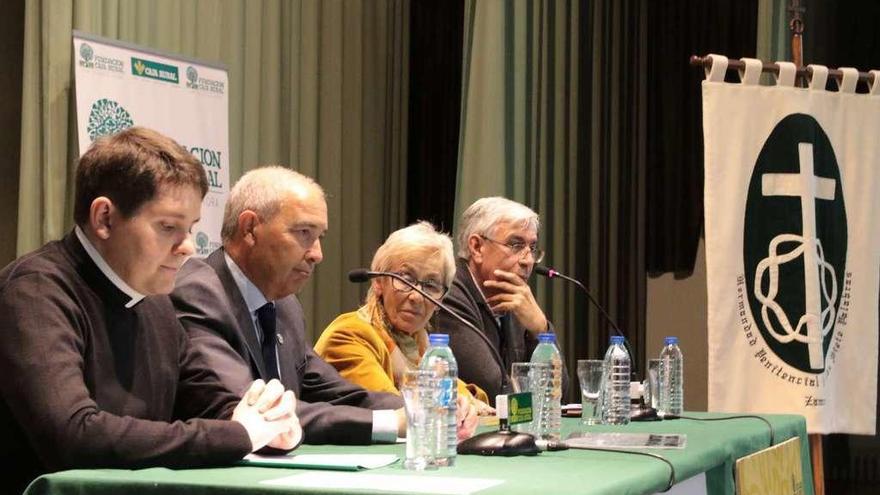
(119, 85)
(792, 195)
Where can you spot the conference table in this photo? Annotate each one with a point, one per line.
(711, 451)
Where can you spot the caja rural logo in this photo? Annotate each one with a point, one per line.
(794, 250)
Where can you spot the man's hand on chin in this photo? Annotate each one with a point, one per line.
(513, 295)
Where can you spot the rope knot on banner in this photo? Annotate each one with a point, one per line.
(809, 324)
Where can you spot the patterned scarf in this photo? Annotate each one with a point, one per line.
(407, 350)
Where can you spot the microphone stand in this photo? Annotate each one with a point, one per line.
(551, 274)
(645, 413)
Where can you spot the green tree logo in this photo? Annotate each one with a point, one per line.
(86, 52)
(192, 74)
(107, 117)
(202, 241)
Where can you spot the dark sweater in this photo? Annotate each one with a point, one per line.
(89, 383)
(478, 363)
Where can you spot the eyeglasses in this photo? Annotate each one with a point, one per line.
(520, 248)
(432, 288)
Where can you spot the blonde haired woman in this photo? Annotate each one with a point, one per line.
(388, 335)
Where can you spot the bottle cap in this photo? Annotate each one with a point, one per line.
(671, 340)
(547, 338)
(616, 339)
(438, 338)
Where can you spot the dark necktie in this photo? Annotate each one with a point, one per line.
(266, 317)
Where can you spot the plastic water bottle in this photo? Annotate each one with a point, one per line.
(439, 359)
(551, 410)
(671, 378)
(615, 402)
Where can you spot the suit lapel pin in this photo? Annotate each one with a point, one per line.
(280, 338)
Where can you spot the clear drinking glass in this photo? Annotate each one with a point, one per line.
(420, 390)
(534, 378)
(590, 377)
(652, 384)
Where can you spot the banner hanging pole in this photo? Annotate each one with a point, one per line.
(796, 26)
(771, 67)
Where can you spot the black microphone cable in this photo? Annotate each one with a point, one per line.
(669, 483)
(726, 418)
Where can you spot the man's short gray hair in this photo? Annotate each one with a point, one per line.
(482, 217)
(261, 190)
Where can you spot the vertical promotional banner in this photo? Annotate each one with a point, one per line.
(119, 85)
(792, 194)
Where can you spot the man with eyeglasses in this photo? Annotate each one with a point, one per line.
(239, 306)
(497, 249)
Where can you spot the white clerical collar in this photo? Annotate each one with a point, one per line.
(108, 272)
(253, 297)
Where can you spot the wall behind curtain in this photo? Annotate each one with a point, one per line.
(317, 86)
(552, 106)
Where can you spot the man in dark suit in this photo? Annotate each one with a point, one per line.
(497, 249)
(240, 309)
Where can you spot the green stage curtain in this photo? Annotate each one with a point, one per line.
(319, 86)
(774, 37)
(553, 101)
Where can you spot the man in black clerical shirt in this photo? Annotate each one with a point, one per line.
(99, 372)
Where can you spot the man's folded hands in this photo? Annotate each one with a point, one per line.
(268, 413)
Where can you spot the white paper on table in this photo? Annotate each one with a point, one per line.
(344, 462)
(627, 440)
(386, 483)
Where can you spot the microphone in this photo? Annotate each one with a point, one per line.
(361, 275)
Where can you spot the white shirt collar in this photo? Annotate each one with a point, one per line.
(252, 295)
(108, 272)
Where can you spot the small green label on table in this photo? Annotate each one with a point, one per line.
(519, 408)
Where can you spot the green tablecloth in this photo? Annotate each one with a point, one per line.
(712, 447)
